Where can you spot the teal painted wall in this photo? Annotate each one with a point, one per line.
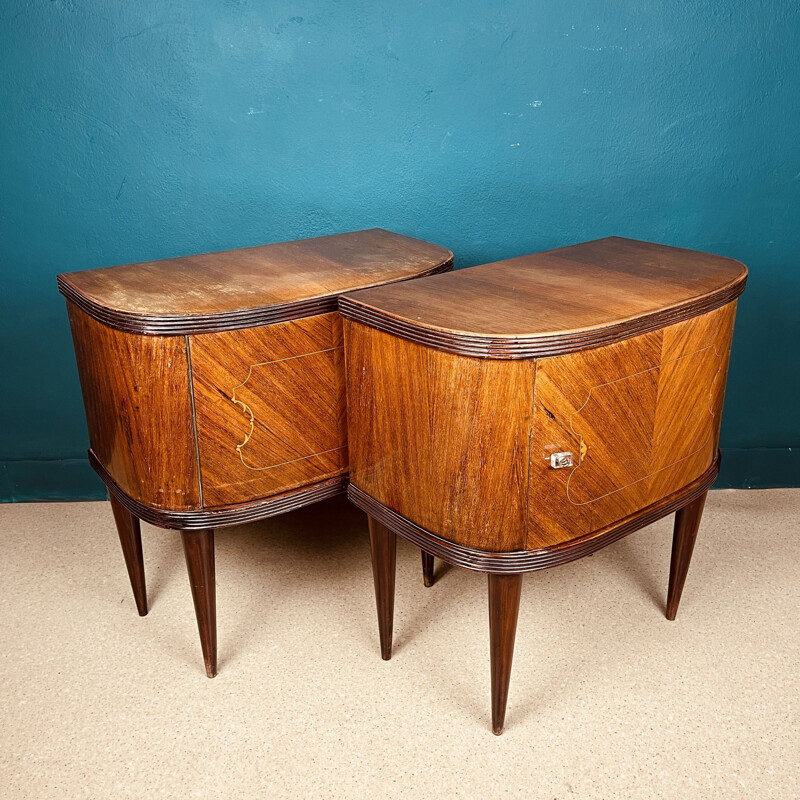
(150, 129)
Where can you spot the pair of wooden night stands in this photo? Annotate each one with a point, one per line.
(504, 418)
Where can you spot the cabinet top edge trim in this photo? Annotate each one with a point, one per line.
(533, 304)
(249, 287)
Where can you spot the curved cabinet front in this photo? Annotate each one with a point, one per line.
(519, 415)
(463, 447)
(641, 418)
(270, 408)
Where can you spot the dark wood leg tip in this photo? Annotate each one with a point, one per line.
(383, 547)
(198, 547)
(427, 569)
(687, 523)
(504, 596)
(130, 537)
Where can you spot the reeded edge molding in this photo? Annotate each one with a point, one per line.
(187, 324)
(517, 347)
(529, 560)
(221, 517)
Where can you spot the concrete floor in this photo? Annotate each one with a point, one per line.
(608, 699)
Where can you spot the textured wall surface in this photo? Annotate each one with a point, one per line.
(144, 130)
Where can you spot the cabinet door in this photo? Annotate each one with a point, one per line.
(270, 408)
(640, 419)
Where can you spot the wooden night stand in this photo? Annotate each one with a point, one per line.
(214, 386)
(518, 415)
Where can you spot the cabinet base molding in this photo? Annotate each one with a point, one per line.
(201, 519)
(530, 560)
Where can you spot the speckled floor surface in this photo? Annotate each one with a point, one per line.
(608, 699)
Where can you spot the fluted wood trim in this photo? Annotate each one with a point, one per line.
(184, 324)
(517, 347)
(530, 560)
(221, 517)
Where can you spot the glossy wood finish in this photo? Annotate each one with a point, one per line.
(687, 524)
(223, 517)
(527, 307)
(463, 388)
(139, 411)
(130, 537)
(198, 547)
(214, 385)
(504, 596)
(270, 408)
(518, 561)
(248, 287)
(429, 439)
(427, 568)
(415, 443)
(641, 416)
(193, 424)
(383, 547)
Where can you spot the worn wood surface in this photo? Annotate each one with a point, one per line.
(214, 386)
(507, 563)
(453, 423)
(461, 446)
(551, 303)
(249, 286)
(259, 508)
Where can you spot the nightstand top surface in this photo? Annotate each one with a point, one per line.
(557, 301)
(248, 286)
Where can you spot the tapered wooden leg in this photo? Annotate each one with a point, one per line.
(130, 537)
(504, 594)
(687, 523)
(383, 545)
(198, 547)
(427, 568)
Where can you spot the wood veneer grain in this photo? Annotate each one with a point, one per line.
(270, 406)
(138, 410)
(619, 411)
(440, 438)
(214, 386)
(527, 307)
(509, 563)
(240, 514)
(250, 286)
(641, 417)
(462, 446)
